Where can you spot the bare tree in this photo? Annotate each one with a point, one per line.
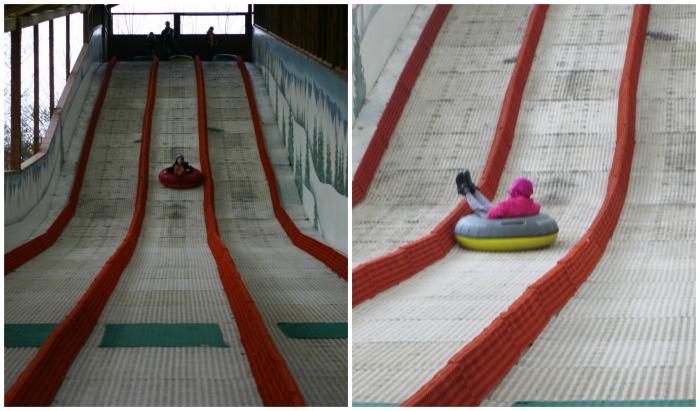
(27, 80)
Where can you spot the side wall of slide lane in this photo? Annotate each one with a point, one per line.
(40, 381)
(373, 277)
(16, 257)
(392, 113)
(473, 372)
(327, 255)
(273, 378)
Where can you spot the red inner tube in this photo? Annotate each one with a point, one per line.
(189, 180)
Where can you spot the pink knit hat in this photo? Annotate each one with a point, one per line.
(521, 187)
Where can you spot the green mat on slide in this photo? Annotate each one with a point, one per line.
(27, 335)
(660, 403)
(375, 404)
(315, 330)
(652, 403)
(163, 335)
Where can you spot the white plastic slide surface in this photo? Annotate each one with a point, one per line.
(564, 142)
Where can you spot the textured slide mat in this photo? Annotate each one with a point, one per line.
(163, 335)
(27, 335)
(327, 331)
(660, 403)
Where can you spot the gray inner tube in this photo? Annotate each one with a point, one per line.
(472, 226)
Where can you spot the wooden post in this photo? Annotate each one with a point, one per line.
(36, 88)
(67, 46)
(52, 102)
(15, 99)
(176, 25)
(248, 54)
(344, 40)
(87, 30)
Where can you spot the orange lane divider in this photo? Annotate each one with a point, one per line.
(18, 256)
(394, 108)
(272, 376)
(375, 276)
(327, 255)
(39, 382)
(472, 373)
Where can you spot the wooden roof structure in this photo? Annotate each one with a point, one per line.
(19, 16)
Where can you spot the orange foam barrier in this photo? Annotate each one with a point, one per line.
(275, 383)
(394, 108)
(327, 255)
(375, 276)
(18, 256)
(39, 382)
(475, 370)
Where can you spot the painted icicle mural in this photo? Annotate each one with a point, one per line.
(311, 107)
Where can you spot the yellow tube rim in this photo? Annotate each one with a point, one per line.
(507, 244)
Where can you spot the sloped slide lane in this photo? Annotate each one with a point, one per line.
(167, 337)
(297, 294)
(447, 305)
(496, 349)
(52, 301)
(628, 334)
(450, 116)
(383, 272)
(275, 383)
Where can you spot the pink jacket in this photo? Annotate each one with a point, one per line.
(519, 204)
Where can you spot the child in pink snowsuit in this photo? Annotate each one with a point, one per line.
(518, 205)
